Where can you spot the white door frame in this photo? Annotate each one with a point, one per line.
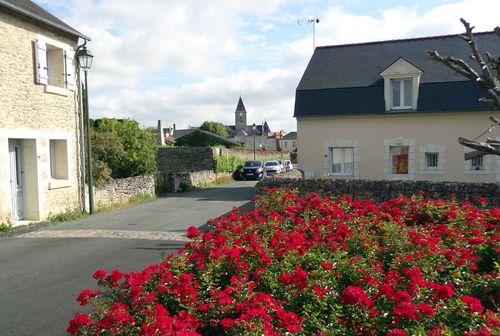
(17, 184)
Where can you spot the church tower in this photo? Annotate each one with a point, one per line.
(240, 116)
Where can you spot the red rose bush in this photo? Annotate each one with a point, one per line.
(315, 266)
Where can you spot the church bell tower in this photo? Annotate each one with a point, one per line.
(240, 116)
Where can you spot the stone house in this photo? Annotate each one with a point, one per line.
(384, 111)
(289, 142)
(40, 122)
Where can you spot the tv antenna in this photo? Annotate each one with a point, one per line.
(313, 23)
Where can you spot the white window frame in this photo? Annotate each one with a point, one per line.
(432, 148)
(41, 65)
(340, 143)
(469, 169)
(402, 91)
(399, 142)
(343, 163)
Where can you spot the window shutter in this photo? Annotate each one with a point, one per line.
(70, 70)
(41, 69)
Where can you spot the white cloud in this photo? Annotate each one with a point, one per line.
(211, 45)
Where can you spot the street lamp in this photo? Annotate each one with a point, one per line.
(85, 58)
(254, 128)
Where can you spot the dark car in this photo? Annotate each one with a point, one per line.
(252, 169)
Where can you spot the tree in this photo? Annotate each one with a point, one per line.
(214, 127)
(125, 148)
(488, 78)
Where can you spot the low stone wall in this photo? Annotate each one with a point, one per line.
(380, 191)
(122, 190)
(174, 182)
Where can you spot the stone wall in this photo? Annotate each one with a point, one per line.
(185, 159)
(123, 190)
(174, 182)
(195, 159)
(380, 191)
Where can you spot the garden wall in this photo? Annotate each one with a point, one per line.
(380, 191)
(122, 190)
(174, 182)
(192, 159)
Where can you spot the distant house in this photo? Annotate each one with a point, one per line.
(199, 138)
(289, 142)
(40, 128)
(383, 110)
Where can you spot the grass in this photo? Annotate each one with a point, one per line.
(219, 180)
(5, 227)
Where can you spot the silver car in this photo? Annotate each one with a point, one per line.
(272, 167)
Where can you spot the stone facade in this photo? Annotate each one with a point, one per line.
(32, 115)
(123, 190)
(380, 191)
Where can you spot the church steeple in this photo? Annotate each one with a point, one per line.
(240, 116)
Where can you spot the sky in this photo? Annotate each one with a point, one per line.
(188, 61)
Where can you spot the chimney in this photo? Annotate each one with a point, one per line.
(174, 127)
(160, 138)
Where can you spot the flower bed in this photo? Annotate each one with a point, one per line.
(315, 266)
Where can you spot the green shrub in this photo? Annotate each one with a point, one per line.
(125, 148)
(5, 226)
(228, 163)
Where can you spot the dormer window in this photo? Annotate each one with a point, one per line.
(401, 80)
(402, 93)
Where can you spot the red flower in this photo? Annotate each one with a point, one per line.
(78, 321)
(354, 295)
(99, 274)
(426, 309)
(86, 295)
(473, 304)
(193, 232)
(397, 332)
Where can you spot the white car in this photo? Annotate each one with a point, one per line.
(272, 167)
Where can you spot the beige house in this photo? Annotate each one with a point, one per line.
(383, 110)
(40, 123)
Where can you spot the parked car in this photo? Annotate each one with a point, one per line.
(252, 169)
(272, 167)
(288, 165)
(282, 165)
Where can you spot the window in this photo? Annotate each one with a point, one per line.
(294, 145)
(58, 159)
(54, 66)
(342, 160)
(431, 160)
(399, 155)
(477, 163)
(402, 93)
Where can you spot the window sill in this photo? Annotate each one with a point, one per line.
(59, 183)
(57, 90)
(477, 172)
(432, 172)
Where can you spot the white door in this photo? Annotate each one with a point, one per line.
(16, 178)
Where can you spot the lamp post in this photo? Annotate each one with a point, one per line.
(85, 57)
(254, 128)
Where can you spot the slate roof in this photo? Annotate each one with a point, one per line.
(290, 136)
(240, 107)
(345, 79)
(32, 10)
(226, 140)
(260, 129)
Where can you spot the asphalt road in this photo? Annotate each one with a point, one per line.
(43, 270)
